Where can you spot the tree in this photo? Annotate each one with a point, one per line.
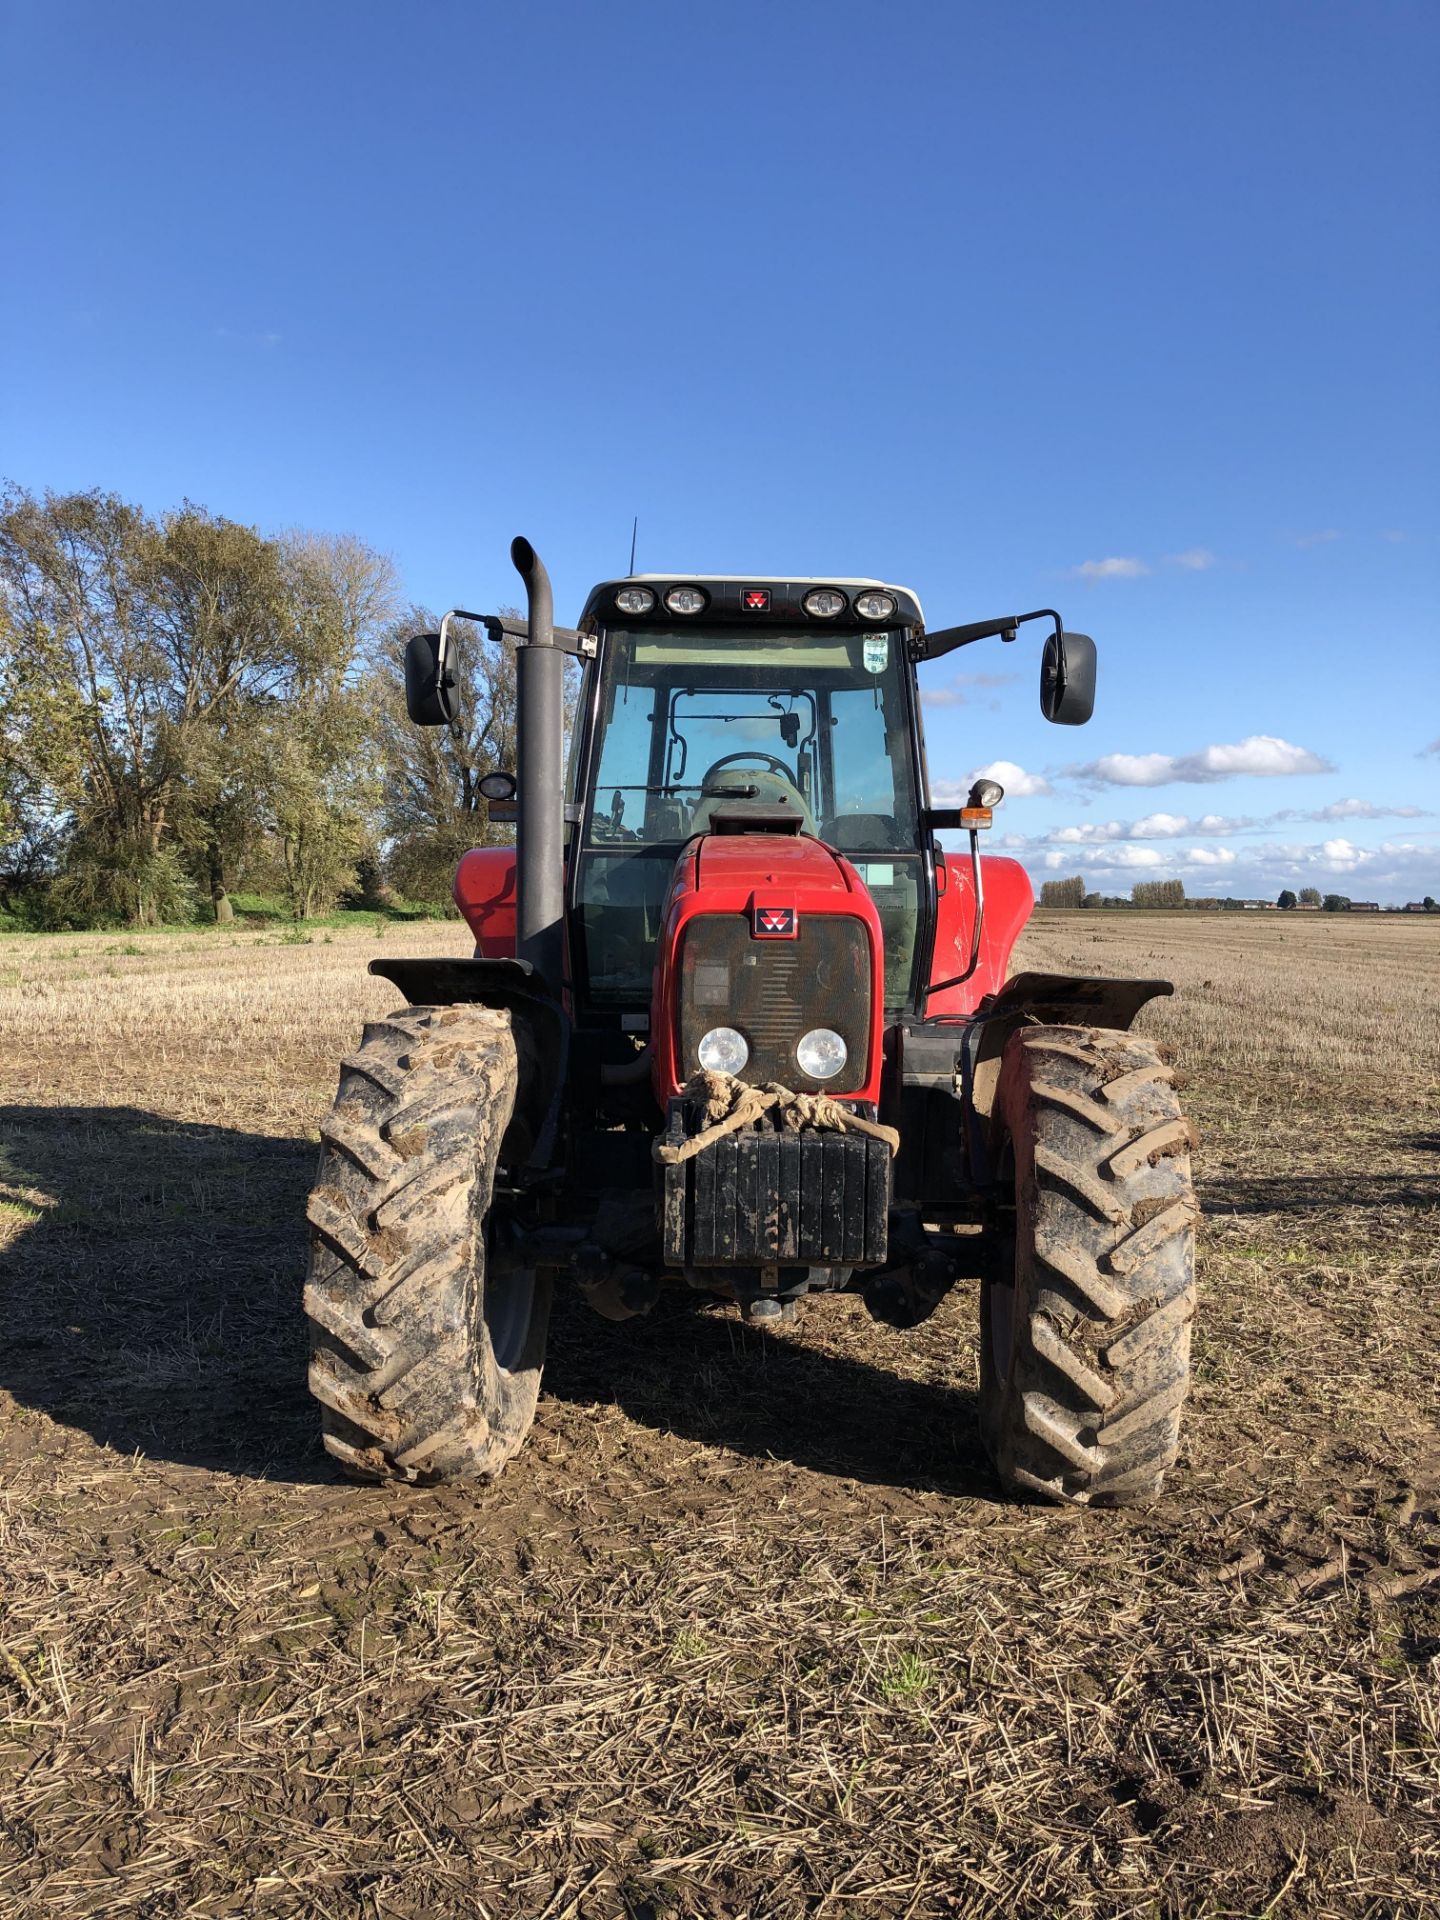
(1309, 896)
(1287, 900)
(1337, 903)
(321, 789)
(76, 570)
(1063, 893)
(158, 673)
(1158, 893)
(1429, 903)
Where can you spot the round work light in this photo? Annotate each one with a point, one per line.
(821, 1053)
(723, 1050)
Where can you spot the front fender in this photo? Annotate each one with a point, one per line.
(540, 1024)
(1047, 1000)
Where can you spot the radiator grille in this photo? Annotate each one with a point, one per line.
(773, 991)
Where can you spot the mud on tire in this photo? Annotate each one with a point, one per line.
(1085, 1337)
(427, 1336)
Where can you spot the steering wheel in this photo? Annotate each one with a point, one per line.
(773, 781)
(750, 753)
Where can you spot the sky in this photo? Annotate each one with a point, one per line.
(1127, 309)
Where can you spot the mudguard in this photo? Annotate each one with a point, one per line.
(540, 1024)
(1039, 999)
(949, 1067)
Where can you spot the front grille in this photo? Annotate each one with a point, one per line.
(774, 991)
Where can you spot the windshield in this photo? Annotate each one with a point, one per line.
(686, 721)
(813, 721)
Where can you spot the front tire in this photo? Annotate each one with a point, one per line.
(427, 1331)
(1085, 1332)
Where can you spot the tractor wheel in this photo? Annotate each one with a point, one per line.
(1085, 1330)
(427, 1333)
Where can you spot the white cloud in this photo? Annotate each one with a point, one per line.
(1129, 769)
(1108, 859)
(1321, 537)
(1115, 568)
(1343, 855)
(1158, 826)
(1395, 535)
(1018, 784)
(1192, 560)
(1391, 873)
(1154, 826)
(1174, 826)
(1433, 748)
(1261, 755)
(1358, 810)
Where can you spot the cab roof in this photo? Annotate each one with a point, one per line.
(725, 593)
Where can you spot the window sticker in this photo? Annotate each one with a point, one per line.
(876, 652)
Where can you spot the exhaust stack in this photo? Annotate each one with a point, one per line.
(540, 728)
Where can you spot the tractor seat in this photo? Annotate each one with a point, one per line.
(864, 833)
(769, 790)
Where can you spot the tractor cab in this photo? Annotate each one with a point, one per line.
(753, 711)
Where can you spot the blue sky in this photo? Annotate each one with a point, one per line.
(1126, 308)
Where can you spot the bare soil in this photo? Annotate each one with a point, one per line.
(747, 1629)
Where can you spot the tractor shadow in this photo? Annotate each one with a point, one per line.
(1303, 1193)
(150, 1280)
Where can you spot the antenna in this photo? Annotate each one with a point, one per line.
(634, 536)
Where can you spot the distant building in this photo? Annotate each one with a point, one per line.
(1416, 906)
(1364, 906)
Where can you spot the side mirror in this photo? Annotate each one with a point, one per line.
(428, 703)
(1067, 679)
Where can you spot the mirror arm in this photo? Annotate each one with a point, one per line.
(506, 626)
(933, 645)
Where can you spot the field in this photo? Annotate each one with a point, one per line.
(747, 1629)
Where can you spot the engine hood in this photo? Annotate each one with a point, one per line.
(771, 889)
(731, 860)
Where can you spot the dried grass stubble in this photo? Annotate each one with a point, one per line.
(681, 1659)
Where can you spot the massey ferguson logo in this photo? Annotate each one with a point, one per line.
(774, 923)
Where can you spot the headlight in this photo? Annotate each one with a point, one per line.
(723, 1050)
(685, 600)
(875, 606)
(821, 1053)
(824, 603)
(634, 599)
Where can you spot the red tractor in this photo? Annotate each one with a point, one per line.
(736, 1020)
